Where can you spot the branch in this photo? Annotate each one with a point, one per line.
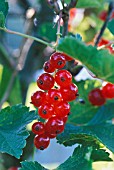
(72, 4)
(27, 36)
(110, 10)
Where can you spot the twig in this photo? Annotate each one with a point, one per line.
(72, 4)
(111, 7)
(58, 29)
(27, 36)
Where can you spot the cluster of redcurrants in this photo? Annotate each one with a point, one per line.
(97, 96)
(52, 100)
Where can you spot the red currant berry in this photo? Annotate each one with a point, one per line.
(62, 109)
(103, 15)
(67, 57)
(48, 67)
(46, 111)
(57, 60)
(69, 93)
(13, 168)
(54, 126)
(41, 141)
(63, 78)
(54, 96)
(45, 81)
(65, 118)
(38, 128)
(38, 98)
(51, 136)
(108, 91)
(96, 97)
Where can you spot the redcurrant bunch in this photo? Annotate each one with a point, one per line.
(98, 96)
(52, 100)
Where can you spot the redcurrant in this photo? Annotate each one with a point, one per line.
(41, 141)
(38, 128)
(96, 97)
(51, 136)
(108, 91)
(46, 110)
(45, 81)
(62, 109)
(57, 60)
(54, 96)
(63, 78)
(13, 168)
(70, 92)
(65, 118)
(48, 67)
(38, 98)
(67, 57)
(54, 126)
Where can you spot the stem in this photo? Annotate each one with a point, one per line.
(111, 7)
(72, 4)
(58, 29)
(65, 27)
(27, 36)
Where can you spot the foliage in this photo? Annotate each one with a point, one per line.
(14, 118)
(91, 127)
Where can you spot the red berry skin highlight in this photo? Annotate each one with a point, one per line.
(108, 91)
(48, 67)
(41, 141)
(62, 109)
(38, 98)
(46, 111)
(57, 60)
(54, 96)
(69, 93)
(63, 78)
(96, 97)
(45, 81)
(67, 57)
(54, 126)
(38, 128)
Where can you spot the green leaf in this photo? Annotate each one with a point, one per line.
(31, 166)
(77, 160)
(111, 26)
(3, 12)
(82, 113)
(44, 32)
(100, 62)
(103, 133)
(86, 3)
(4, 7)
(100, 155)
(13, 121)
(2, 20)
(104, 114)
